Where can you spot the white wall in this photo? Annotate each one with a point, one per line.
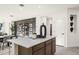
(73, 38)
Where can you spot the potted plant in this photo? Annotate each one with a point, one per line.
(12, 29)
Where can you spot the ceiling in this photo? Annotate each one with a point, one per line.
(5, 6)
(12, 10)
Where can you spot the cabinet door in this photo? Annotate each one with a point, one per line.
(24, 51)
(48, 49)
(39, 46)
(39, 52)
(53, 45)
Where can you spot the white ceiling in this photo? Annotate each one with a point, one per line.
(6, 6)
(7, 10)
(42, 4)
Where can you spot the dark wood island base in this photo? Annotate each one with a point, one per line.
(44, 48)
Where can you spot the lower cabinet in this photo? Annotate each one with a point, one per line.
(53, 46)
(24, 51)
(48, 49)
(39, 52)
(45, 48)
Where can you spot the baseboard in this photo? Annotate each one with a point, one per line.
(60, 45)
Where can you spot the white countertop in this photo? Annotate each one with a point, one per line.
(5, 36)
(29, 42)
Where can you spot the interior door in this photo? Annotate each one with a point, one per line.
(59, 29)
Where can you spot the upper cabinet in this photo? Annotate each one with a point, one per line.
(25, 27)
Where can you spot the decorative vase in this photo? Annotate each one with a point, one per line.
(34, 36)
(43, 31)
(71, 29)
(71, 18)
(71, 24)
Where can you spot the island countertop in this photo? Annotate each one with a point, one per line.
(29, 42)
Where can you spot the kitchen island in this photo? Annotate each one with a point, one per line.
(30, 46)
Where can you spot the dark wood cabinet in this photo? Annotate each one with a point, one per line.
(38, 47)
(48, 49)
(39, 52)
(53, 46)
(44, 48)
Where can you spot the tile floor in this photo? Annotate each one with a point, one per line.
(67, 51)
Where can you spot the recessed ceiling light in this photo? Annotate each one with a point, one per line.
(22, 5)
